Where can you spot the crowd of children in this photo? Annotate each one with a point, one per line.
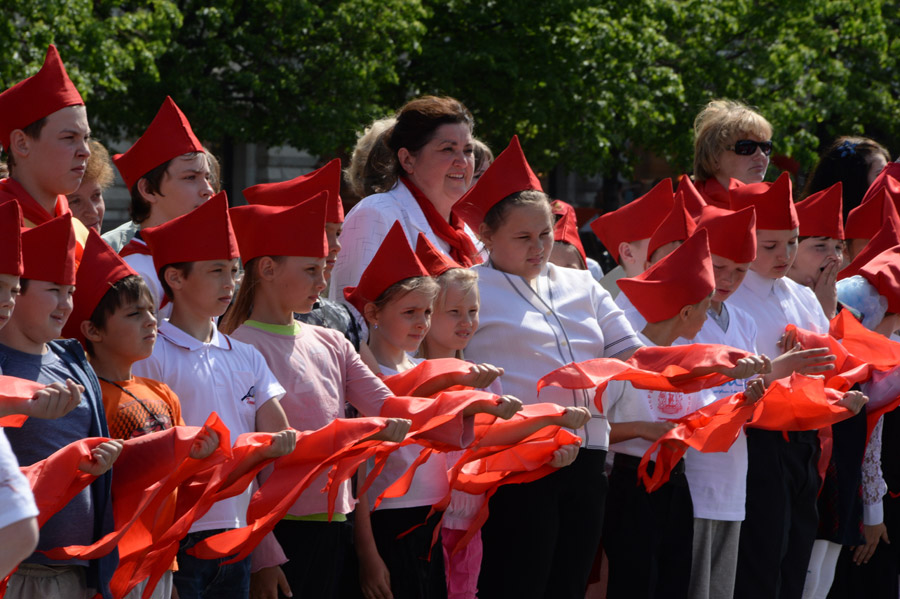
(471, 414)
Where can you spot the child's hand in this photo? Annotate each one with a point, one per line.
(574, 418)
(754, 391)
(747, 367)
(480, 376)
(652, 431)
(374, 577)
(503, 407)
(55, 400)
(266, 582)
(804, 361)
(282, 443)
(204, 444)
(825, 287)
(853, 401)
(102, 458)
(395, 431)
(564, 456)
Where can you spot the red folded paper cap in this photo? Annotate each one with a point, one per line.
(636, 220)
(36, 97)
(508, 174)
(393, 262)
(101, 267)
(169, 135)
(677, 226)
(693, 201)
(48, 251)
(204, 233)
(889, 178)
(301, 189)
(682, 278)
(865, 220)
(773, 202)
(566, 228)
(732, 235)
(434, 260)
(714, 194)
(10, 238)
(883, 272)
(821, 214)
(282, 231)
(887, 237)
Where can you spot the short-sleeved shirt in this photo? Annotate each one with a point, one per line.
(139, 406)
(224, 376)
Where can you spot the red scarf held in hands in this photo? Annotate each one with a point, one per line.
(454, 233)
(14, 390)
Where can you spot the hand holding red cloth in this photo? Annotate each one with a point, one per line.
(13, 391)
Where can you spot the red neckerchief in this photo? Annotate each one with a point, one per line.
(461, 247)
(33, 213)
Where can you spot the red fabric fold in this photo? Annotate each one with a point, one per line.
(848, 369)
(407, 383)
(14, 390)
(454, 233)
(799, 403)
(685, 368)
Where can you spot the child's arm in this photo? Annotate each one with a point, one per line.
(503, 407)
(478, 377)
(53, 401)
(651, 431)
(102, 458)
(17, 541)
(374, 577)
(513, 432)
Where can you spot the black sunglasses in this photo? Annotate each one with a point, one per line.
(747, 147)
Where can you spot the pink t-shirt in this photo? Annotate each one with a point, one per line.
(319, 370)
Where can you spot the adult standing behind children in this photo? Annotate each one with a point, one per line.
(86, 202)
(731, 141)
(167, 172)
(429, 167)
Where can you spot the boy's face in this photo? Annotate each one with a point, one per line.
(9, 289)
(57, 158)
(209, 287)
(43, 309)
(130, 331)
(185, 186)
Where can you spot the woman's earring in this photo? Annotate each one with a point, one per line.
(375, 326)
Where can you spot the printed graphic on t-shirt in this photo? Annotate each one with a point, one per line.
(666, 404)
(137, 418)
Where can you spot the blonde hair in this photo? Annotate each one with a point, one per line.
(465, 278)
(354, 174)
(99, 167)
(720, 123)
(242, 306)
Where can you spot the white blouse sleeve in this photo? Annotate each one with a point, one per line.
(873, 485)
(618, 335)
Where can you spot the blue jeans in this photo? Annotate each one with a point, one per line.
(208, 578)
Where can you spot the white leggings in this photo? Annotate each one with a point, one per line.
(820, 573)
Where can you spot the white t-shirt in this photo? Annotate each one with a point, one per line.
(531, 331)
(142, 264)
(224, 376)
(15, 493)
(637, 321)
(718, 480)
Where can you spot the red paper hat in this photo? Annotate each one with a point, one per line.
(434, 260)
(204, 233)
(821, 214)
(508, 174)
(32, 99)
(693, 201)
(10, 239)
(732, 235)
(300, 189)
(883, 272)
(169, 135)
(566, 228)
(101, 267)
(636, 220)
(887, 237)
(48, 251)
(682, 278)
(889, 177)
(865, 220)
(773, 202)
(677, 226)
(282, 231)
(393, 262)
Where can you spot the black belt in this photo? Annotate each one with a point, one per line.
(623, 460)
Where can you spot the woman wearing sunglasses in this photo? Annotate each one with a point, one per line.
(731, 141)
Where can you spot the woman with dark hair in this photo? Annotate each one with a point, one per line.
(855, 162)
(419, 167)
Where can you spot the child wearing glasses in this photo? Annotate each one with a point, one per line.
(731, 141)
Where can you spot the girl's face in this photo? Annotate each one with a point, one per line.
(404, 321)
(814, 254)
(298, 281)
(454, 321)
(775, 252)
(333, 233)
(729, 275)
(522, 243)
(876, 165)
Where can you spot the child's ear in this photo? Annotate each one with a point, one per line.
(685, 312)
(265, 268)
(174, 277)
(370, 311)
(19, 142)
(486, 235)
(625, 254)
(90, 331)
(144, 189)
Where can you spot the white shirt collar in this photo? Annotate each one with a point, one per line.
(178, 337)
(758, 285)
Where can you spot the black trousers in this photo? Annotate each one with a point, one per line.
(541, 537)
(316, 552)
(416, 568)
(780, 527)
(648, 537)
